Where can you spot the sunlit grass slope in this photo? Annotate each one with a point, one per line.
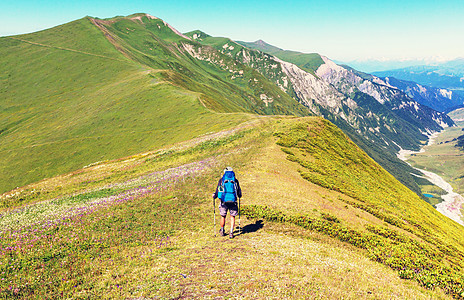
(399, 229)
(143, 226)
(81, 93)
(64, 109)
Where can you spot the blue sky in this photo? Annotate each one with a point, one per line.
(342, 30)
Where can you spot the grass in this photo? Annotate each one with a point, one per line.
(309, 62)
(71, 102)
(93, 229)
(325, 159)
(142, 227)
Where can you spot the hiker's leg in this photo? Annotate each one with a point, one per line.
(223, 213)
(232, 223)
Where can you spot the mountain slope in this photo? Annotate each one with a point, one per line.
(93, 90)
(424, 119)
(226, 85)
(306, 61)
(262, 62)
(377, 116)
(357, 232)
(350, 86)
(215, 74)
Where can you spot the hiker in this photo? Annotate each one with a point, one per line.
(227, 190)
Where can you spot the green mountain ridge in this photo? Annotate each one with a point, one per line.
(258, 60)
(213, 75)
(307, 61)
(221, 74)
(130, 74)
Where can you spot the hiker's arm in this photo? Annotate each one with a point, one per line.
(239, 190)
(215, 195)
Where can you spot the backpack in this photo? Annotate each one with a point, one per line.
(227, 191)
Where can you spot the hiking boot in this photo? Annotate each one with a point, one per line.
(221, 232)
(231, 235)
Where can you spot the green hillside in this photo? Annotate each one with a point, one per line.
(320, 219)
(227, 85)
(93, 90)
(309, 62)
(257, 60)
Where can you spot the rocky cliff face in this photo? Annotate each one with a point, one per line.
(310, 90)
(373, 108)
(349, 81)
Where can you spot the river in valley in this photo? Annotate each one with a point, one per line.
(452, 201)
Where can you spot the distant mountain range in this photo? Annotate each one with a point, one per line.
(449, 75)
(98, 89)
(380, 65)
(437, 85)
(440, 99)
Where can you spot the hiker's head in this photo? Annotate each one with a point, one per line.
(228, 169)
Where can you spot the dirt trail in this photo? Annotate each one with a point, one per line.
(65, 49)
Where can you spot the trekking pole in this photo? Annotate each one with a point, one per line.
(214, 217)
(239, 227)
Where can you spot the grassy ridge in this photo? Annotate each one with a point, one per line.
(102, 109)
(227, 85)
(93, 90)
(328, 159)
(141, 227)
(309, 62)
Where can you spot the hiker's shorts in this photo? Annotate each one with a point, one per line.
(232, 207)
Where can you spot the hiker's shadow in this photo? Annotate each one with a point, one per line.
(252, 227)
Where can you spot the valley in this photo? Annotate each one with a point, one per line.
(443, 163)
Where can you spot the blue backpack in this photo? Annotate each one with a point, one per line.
(227, 191)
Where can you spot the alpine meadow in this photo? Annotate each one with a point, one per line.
(114, 133)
